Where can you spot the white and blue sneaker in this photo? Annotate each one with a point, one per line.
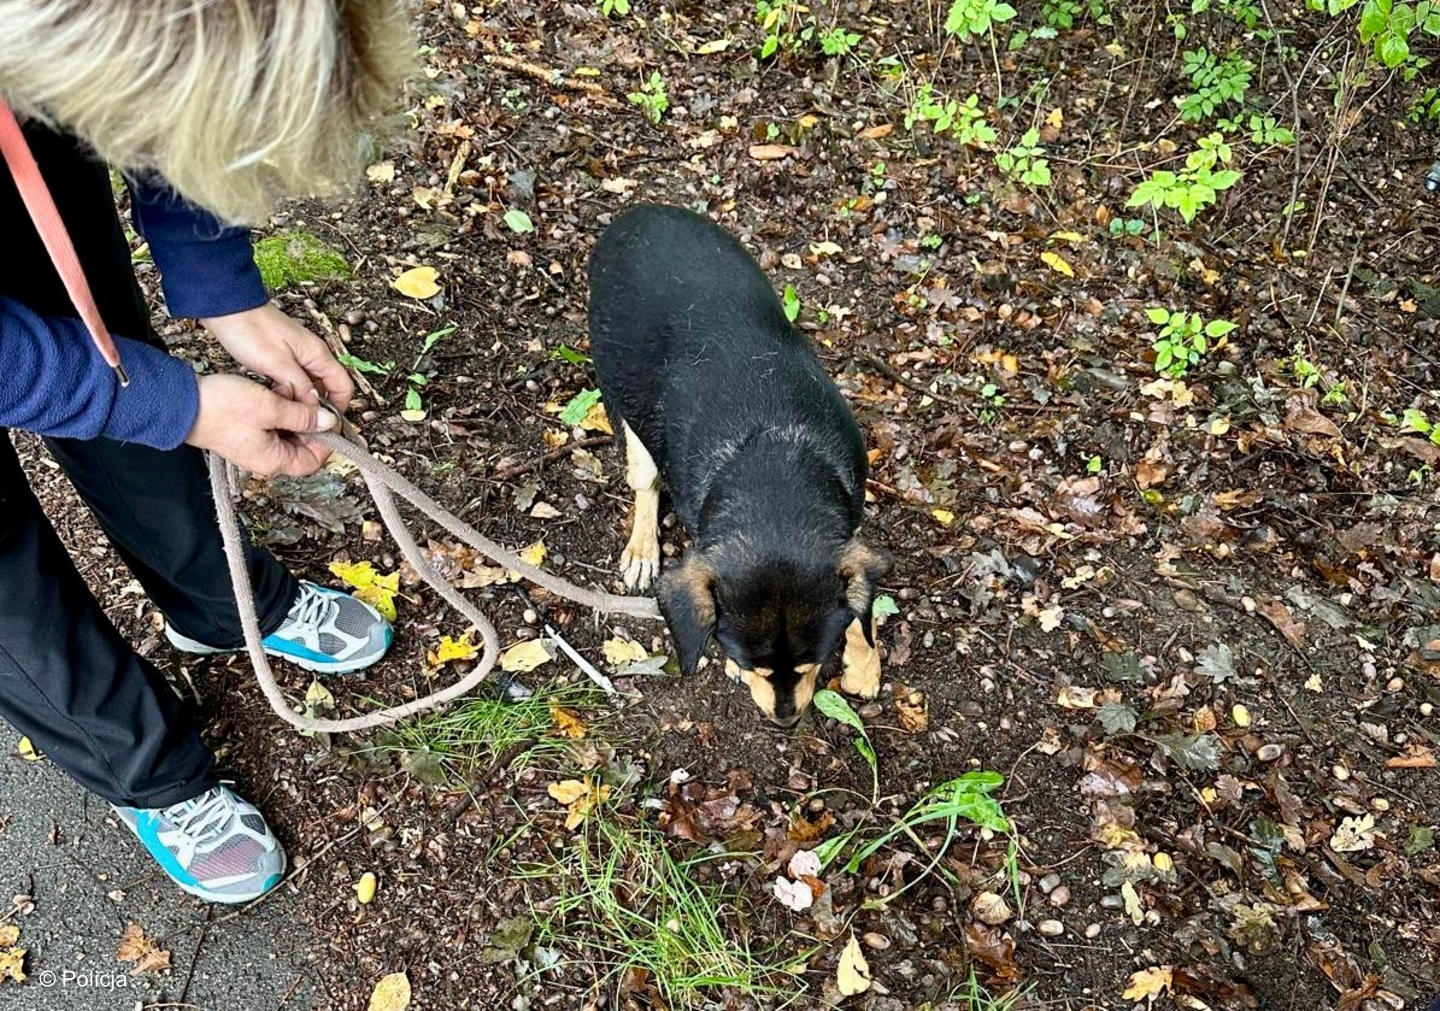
(215, 846)
(326, 631)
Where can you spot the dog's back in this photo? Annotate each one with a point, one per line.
(694, 353)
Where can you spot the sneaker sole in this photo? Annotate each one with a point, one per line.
(352, 665)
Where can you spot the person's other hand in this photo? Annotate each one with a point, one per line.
(274, 345)
(258, 429)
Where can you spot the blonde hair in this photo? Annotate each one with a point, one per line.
(234, 102)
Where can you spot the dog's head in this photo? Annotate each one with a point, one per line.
(776, 620)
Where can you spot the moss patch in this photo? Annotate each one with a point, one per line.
(292, 258)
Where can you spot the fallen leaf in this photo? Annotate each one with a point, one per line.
(1149, 473)
(831, 249)
(567, 721)
(450, 650)
(1133, 908)
(1051, 617)
(10, 934)
(26, 750)
(1057, 263)
(1416, 756)
(12, 964)
(518, 221)
(619, 652)
(712, 47)
(852, 975)
(991, 908)
(370, 586)
(1354, 835)
(580, 796)
(365, 888)
(418, 282)
(146, 955)
(794, 895)
(1056, 118)
(996, 948)
(1151, 982)
(1068, 236)
(1285, 623)
(878, 132)
(412, 414)
(544, 511)
(392, 993)
(771, 152)
(381, 172)
(1076, 697)
(525, 655)
(1302, 416)
(910, 708)
(596, 420)
(945, 516)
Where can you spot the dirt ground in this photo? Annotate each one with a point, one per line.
(1193, 623)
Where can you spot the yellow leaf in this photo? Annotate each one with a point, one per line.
(370, 586)
(945, 516)
(1314, 684)
(1056, 118)
(12, 964)
(826, 248)
(596, 420)
(317, 697)
(365, 888)
(418, 282)
(381, 172)
(1240, 715)
(535, 554)
(1068, 236)
(623, 651)
(712, 47)
(524, 656)
(1133, 908)
(1075, 697)
(392, 993)
(568, 791)
(412, 415)
(452, 649)
(1149, 983)
(567, 721)
(26, 750)
(852, 975)
(1164, 862)
(1219, 426)
(1057, 263)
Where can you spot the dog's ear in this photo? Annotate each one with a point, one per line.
(861, 567)
(686, 595)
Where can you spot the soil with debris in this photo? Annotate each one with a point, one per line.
(1194, 621)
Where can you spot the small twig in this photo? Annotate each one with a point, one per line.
(554, 78)
(1345, 288)
(590, 442)
(338, 349)
(195, 956)
(591, 671)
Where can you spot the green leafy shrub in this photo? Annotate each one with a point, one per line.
(1195, 188)
(972, 18)
(608, 7)
(1183, 339)
(1062, 15)
(1387, 26)
(1265, 132)
(1216, 81)
(838, 41)
(1025, 160)
(293, 258)
(961, 120)
(652, 97)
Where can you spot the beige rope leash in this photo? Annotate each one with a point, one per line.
(384, 484)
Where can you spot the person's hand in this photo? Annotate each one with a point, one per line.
(271, 343)
(258, 429)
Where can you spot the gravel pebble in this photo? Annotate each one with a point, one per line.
(1048, 882)
(1060, 896)
(1092, 931)
(876, 940)
(1051, 928)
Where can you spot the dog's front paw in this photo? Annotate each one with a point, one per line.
(861, 662)
(640, 561)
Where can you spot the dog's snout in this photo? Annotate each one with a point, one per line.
(786, 722)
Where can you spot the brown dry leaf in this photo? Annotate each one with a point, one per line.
(772, 152)
(1302, 416)
(1285, 623)
(910, 707)
(803, 830)
(878, 132)
(146, 955)
(9, 935)
(392, 993)
(567, 722)
(1076, 697)
(852, 975)
(1149, 473)
(1151, 982)
(1416, 756)
(579, 795)
(596, 420)
(996, 949)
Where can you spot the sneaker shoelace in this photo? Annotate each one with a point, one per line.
(313, 609)
(201, 818)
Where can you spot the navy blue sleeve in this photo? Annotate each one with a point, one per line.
(206, 267)
(55, 383)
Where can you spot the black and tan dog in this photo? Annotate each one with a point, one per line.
(720, 396)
